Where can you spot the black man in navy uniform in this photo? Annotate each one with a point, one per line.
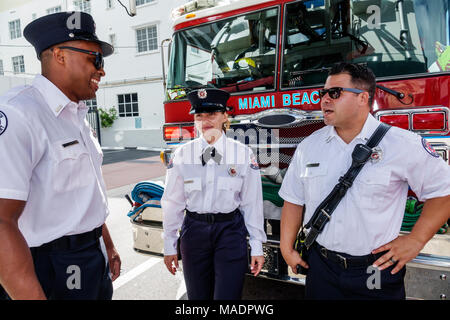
(53, 203)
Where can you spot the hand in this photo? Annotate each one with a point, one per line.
(256, 264)
(400, 251)
(171, 263)
(292, 258)
(114, 262)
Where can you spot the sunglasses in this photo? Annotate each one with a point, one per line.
(98, 63)
(335, 92)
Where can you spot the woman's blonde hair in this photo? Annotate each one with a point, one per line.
(226, 124)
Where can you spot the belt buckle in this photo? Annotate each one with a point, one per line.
(323, 252)
(342, 261)
(210, 218)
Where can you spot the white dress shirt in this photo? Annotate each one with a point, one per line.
(63, 186)
(371, 212)
(213, 188)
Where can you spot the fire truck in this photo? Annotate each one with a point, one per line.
(272, 56)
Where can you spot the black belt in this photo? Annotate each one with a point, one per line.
(347, 261)
(70, 242)
(212, 217)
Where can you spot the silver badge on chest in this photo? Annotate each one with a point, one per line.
(377, 154)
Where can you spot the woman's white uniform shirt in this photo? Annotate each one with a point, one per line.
(213, 188)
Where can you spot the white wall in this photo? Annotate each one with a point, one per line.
(126, 70)
(7, 82)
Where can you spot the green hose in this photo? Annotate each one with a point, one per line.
(413, 210)
(270, 192)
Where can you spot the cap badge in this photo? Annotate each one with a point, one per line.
(202, 94)
(71, 35)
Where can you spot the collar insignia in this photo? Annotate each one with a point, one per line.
(232, 171)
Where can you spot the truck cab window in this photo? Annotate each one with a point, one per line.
(236, 54)
(389, 36)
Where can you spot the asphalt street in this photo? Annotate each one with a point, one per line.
(143, 277)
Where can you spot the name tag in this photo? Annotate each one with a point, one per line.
(312, 165)
(70, 143)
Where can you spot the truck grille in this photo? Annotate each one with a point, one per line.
(286, 139)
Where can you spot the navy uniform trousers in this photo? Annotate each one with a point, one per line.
(328, 279)
(73, 268)
(214, 257)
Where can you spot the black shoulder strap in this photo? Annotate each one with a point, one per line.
(378, 135)
(360, 156)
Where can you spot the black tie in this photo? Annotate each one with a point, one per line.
(210, 153)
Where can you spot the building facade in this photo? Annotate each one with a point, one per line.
(133, 84)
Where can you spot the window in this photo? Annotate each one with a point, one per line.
(18, 64)
(112, 41)
(1, 68)
(109, 4)
(91, 104)
(82, 5)
(237, 53)
(147, 39)
(320, 33)
(14, 29)
(54, 10)
(128, 105)
(141, 2)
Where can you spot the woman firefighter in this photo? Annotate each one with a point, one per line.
(217, 181)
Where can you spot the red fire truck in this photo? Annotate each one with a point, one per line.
(273, 57)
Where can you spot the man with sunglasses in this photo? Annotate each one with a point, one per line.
(359, 254)
(53, 203)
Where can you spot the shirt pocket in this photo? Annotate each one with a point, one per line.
(229, 184)
(73, 169)
(373, 187)
(227, 192)
(192, 185)
(314, 181)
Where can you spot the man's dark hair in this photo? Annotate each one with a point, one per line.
(361, 76)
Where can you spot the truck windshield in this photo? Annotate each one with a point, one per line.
(393, 37)
(236, 54)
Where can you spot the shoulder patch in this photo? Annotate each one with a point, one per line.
(253, 164)
(428, 148)
(170, 164)
(170, 161)
(3, 122)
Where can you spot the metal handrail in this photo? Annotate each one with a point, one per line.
(163, 64)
